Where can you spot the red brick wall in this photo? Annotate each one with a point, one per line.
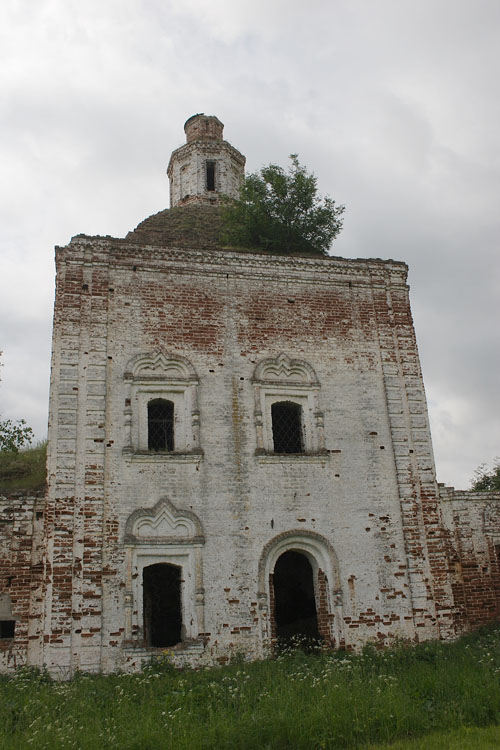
(21, 529)
(471, 534)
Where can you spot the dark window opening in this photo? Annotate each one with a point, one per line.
(160, 425)
(162, 604)
(7, 628)
(294, 601)
(211, 175)
(287, 427)
(183, 182)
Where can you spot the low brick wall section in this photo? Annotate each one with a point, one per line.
(472, 520)
(21, 533)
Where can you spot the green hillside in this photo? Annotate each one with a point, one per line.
(23, 470)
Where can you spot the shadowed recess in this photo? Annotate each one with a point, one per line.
(295, 606)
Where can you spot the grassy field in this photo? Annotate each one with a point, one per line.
(465, 738)
(23, 470)
(429, 696)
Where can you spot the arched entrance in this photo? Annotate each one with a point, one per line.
(162, 604)
(319, 575)
(294, 598)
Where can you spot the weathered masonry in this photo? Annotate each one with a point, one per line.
(239, 450)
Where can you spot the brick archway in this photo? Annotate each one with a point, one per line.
(326, 580)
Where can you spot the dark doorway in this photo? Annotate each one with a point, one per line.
(287, 427)
(162, 604)
(294, 602)
(160, 425)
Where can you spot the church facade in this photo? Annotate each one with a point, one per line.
(239, 452)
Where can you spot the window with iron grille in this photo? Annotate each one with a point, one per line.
(287, 427)
(160, 425)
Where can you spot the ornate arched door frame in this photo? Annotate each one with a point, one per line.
(326, 575)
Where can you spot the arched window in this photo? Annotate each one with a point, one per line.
(160, 425)
(288, 419)
(287, 427)
(161, 416)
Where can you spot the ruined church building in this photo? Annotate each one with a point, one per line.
(239, 450)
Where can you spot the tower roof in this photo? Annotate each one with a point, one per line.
(202, 127)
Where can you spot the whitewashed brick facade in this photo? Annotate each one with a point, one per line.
(224, 335)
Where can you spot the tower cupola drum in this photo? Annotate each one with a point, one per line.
(207, 166)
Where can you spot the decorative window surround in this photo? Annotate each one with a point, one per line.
(170, 377)
(285, 379)
(163, 534)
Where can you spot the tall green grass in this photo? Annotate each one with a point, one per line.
(333, 700)
(23, 470)
(465, 738)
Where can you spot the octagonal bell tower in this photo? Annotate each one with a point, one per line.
(207, 166)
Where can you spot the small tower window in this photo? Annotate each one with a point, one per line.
(211, 176)
(160, 425)
(183, 181)
(287, 427)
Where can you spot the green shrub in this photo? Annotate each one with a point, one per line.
(280, 211)
(25, 469)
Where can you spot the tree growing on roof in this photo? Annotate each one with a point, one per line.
(282, 212)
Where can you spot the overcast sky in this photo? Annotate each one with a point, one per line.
(393, 104)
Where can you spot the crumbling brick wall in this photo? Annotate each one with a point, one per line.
(21, 532)
(471, 535)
